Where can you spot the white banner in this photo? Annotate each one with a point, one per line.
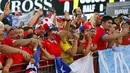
(24, 18)
(83, 65)
(117, 61)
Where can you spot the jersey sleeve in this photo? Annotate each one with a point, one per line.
(8, 41)
(100, 33)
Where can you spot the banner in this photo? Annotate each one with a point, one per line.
(87, 6)
(33, 68)
(61, 67)
(29, 5)
(114, 9)
(82, 65)
(90, 6)
(16, 20)
(115, 61)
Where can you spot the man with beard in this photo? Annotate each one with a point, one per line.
(78, 20)
(13, 40)
(4, 49)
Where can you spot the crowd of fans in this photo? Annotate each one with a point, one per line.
(59, 36)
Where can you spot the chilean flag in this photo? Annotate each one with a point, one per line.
(32, 68)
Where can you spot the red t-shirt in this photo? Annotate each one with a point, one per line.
(101, 44)
(27, 49)
(84, 44)
(58, 39)
(8, 41)
(52, 47)
(17, 58)
(126, 40)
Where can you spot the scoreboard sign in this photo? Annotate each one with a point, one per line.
(29, 5)
(114, 9)
(87, 6)
(90, 6)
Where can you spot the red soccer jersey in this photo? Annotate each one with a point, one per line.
(17, 58)
(52, 47)
(101, 44)
(84, 44)
(27, 49)
(8, 41)
(58, 39)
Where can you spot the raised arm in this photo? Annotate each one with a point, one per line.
(34, 18)
(67, 17)
(53, 18)
(6, 11)
(89, 45)
(65, 46)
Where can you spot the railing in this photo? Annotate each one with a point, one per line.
(49, 68)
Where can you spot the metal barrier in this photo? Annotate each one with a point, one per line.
(49, 68)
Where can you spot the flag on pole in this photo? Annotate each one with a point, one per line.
(61, 67)
(32, 68)
(82, 65)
